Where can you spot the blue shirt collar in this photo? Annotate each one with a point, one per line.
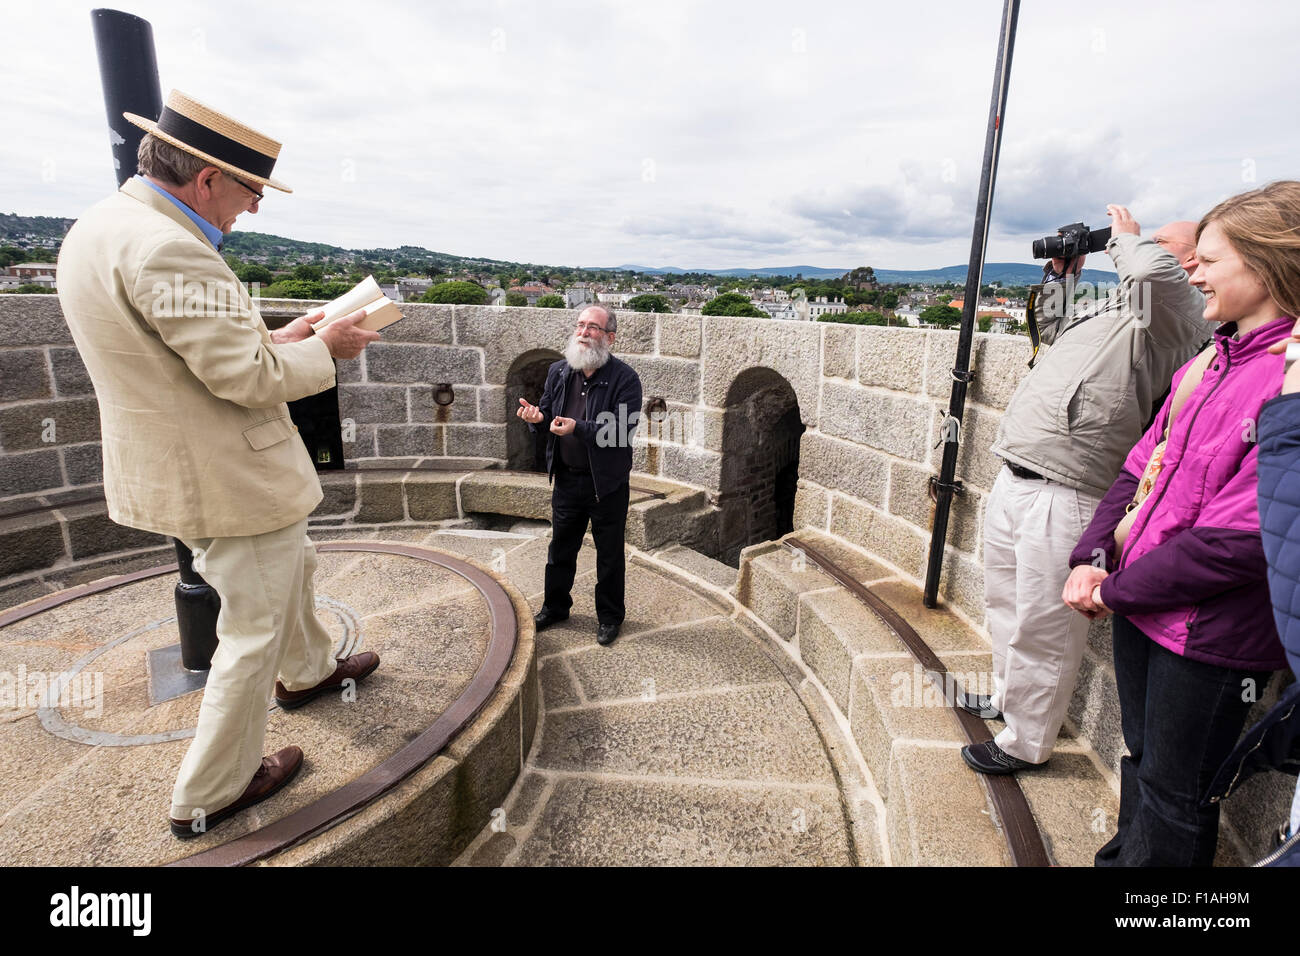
(213, 234)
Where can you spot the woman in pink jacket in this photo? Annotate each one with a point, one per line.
(1174, 549)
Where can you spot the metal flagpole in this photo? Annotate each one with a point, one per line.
(944, 486)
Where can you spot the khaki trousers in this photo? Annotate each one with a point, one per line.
(1030, 528)
(267, 628)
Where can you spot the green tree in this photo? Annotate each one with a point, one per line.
(551, 302)
(252, 272)
(308, 273)
(855, 318)
(944, 316)
(648, 303)
(889, 300)
(456, 291)
(733, 303)
(516, 298)
(860, 278)
(294, 289)
(985, 323)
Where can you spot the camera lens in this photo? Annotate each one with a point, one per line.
(1051, 247)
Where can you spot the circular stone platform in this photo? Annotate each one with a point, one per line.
(92, 739)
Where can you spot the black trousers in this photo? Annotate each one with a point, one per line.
(573, 505)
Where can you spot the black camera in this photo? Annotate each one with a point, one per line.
(1076, 239)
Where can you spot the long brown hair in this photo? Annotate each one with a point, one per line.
(1263, 226)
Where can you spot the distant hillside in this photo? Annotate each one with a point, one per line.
(1006, 273)
(44, 230)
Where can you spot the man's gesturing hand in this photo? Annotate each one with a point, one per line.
(1121, 220)
(344, 339)
(562, 426)
(529, 413)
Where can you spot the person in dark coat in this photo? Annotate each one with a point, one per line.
(591, 405)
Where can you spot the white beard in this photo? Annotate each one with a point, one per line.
(583, 357)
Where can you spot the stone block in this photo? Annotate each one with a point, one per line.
(891, 358)
(431, 495)
(677, 380)
(29, 542)
(522, 495)
(32, 320)
(938, 811)
(834, 628)
(636, 332)
(476, 441)
(893, 539)
(1001, 363)
(91, 531)
(1094, 709)
(402, 441)
(976, 464)
(350, 371)
(962, 582)
(70, 376)
(893, 699)
(909, 497)
(771, 585)
(844, 465)
(42, 424)
(84, 463)
(492, 405)
(810, 506)
(373, 404)
(732, 346)
(707, 427)
(505, 335)
(23, 375)
(382, 499)
(409, 364)
(362, 444)
(879, 419)
(340, 488)
(423, 323)
(424, 410)
(679, 335)
(1069, 797)
(692, 466)
(24, 473)
(839, 345)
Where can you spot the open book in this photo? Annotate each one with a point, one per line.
(381, 311)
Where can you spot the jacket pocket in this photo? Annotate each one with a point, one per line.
(268, 433)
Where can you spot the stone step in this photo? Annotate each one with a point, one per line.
(937, 810)
(698, 565)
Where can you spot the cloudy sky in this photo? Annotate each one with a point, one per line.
(684, 132)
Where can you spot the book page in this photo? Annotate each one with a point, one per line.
(360, 296)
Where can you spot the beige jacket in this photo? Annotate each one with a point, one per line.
(197, 438)
(1083, 406)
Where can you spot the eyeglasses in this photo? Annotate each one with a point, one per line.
(257, 197)
(590, 327)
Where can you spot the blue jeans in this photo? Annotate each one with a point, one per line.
(1180, 719)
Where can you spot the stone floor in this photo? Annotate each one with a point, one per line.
(89, 782)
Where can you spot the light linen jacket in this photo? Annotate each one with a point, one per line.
(197, 437)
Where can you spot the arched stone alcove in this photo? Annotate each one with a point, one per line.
(760, 460)
(525, 379)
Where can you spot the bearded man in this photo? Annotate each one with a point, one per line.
(591, 405)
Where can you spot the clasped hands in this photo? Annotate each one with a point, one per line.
(560, 425)
(1083, 591)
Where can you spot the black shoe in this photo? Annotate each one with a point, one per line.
(546, 617)
(980, 705)
(988, 757)
(606, 633)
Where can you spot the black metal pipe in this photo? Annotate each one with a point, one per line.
(951, 434)
(197, 607)
(128, 71)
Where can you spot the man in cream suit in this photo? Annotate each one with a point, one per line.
(197, 439)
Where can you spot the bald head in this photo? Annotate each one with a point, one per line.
(1179, 240)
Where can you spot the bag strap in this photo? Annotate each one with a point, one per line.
(1195, 373)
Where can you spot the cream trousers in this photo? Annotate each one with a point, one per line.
(267, 628)
(1030, 528)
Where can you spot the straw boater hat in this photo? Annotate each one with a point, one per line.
(215, 138)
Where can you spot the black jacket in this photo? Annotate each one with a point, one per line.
(613, 413)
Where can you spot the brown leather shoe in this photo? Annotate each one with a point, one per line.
(356, 668)
(276, 770)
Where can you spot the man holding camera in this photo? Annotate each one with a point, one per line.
(1063, 438)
